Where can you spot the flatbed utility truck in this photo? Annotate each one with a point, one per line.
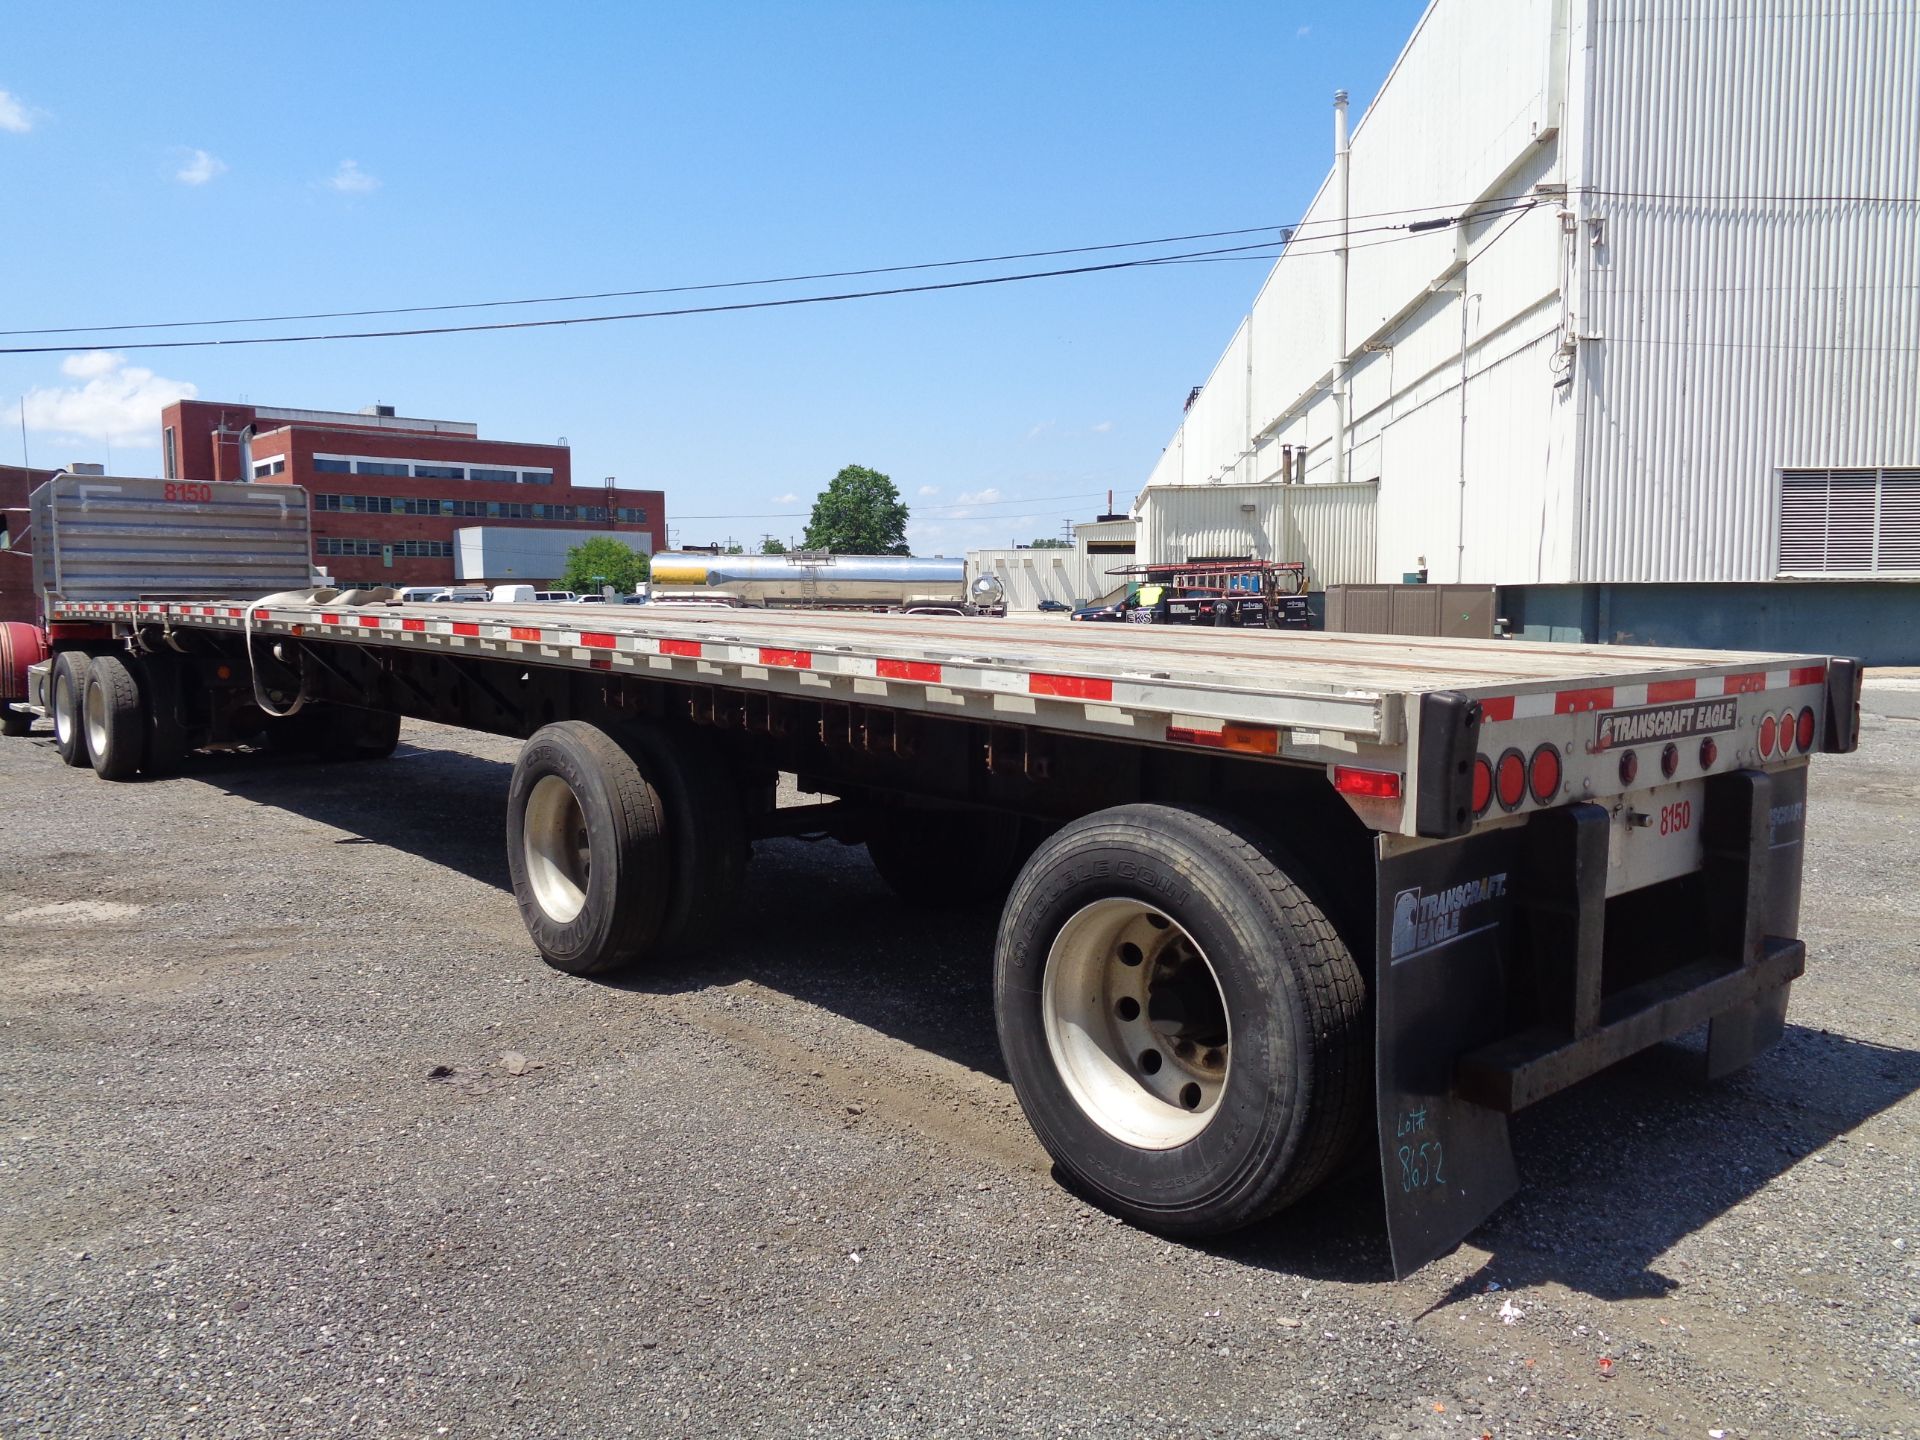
(1268, 897)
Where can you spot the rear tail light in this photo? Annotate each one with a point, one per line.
(1786, 732)
(1709, 752)
(1629, 768)
(1805, 731)
(1482, 784)
(1670, 760)
(1510, 780)
(1378, 784)
(1543, 774)
(1767, 726)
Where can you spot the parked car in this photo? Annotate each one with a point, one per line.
(1055, 607)
(512, 594)
(589, 599)
(458, 595)
(563, 595)
(412, 594)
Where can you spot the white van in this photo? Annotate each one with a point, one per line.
(413, 594)
(513, 594)
(563, 595)
(458, 595)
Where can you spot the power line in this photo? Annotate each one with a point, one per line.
(1293, 228)
(732, 307)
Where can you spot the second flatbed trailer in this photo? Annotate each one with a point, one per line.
(1266, 895)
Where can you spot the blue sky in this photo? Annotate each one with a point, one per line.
(204, 161)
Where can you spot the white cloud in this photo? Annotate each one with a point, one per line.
(350, 179)
(979, 497)
(200, 168)
(1103, 427)
(788, 499)
(1304, 31)
(15, 118)
(1042, 428)
(927, 491)
(117, 402)
(89, 363)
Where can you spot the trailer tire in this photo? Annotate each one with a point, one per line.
(167, 747)
(1187, 1108)
(947, 859)
(705, 819)
(69, 694)
(587, 850)
(116, 719)
(14, 722)
(348, 734)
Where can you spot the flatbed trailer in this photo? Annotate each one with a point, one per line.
(1262, 892)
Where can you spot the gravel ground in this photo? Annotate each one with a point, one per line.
(300, 1137)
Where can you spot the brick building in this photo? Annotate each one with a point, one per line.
(389, 491)
(17, 600)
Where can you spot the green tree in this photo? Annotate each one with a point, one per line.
(603, 560)
(859, 513)
(771, 546)
(1054, 544)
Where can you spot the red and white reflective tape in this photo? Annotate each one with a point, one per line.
(1655, 692)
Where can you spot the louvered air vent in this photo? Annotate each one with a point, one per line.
(1850, 522)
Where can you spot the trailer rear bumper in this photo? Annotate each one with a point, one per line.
(1505, 974)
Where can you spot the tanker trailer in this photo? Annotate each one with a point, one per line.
(807, 580)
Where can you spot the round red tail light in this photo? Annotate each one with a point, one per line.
(1786, 732)
(1709, 752)
(1805, 731)
(1629, 767)
(1510, 780)
(1543, 774)
(1482, 784)
(1670, 760)
(1767, 726)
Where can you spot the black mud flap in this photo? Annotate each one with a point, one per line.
(1442, 933)
(1735, 1036)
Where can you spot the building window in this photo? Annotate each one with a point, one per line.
(1850, 522)
(506, 477)
(536, 477)
(440, 472)
(323, 466)
(172, 469)
(264, 468)
(381, 467)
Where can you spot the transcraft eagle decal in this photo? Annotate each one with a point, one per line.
(1664, 722)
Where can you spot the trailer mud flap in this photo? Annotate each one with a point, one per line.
(1736, 1036)
(1441, 938)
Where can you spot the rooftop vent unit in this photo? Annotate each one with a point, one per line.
(379, 412)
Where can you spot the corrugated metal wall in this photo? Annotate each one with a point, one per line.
(1330, 527)
(1764, 330)
(1605, 387)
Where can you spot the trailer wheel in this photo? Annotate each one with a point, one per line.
(167, 746)
(347, 734)
(116, 719)
(69, 690)
(1183, 1027)
(587, 850)
(705, 819)
(946, 859)
(14, 722)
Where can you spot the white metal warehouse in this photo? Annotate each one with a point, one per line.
(1603, 294)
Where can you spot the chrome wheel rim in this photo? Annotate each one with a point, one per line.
(64, 719)
(555, 845)
(1136, 1023)
(96, 707)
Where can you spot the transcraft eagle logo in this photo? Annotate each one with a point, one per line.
(1664, 722)
(1424, 921)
